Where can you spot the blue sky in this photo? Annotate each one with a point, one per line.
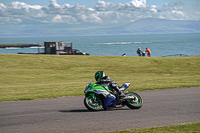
(81, 14)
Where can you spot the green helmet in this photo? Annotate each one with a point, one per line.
(99, 75)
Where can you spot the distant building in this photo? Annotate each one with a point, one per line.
(58, 48)
(61, 48)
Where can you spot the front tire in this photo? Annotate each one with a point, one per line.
(135, 103)
(93, 104)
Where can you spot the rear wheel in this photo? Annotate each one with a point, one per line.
(93, 104)
(134, 103)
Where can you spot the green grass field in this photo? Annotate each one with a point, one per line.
(13, 44)
(183, 128)
(24, 77)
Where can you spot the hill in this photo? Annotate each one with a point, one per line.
(146, 26)
(143, 26)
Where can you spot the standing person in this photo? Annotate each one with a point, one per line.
(148, 52)
(139, 51)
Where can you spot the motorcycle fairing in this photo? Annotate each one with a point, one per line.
(100, 92)
(110, 101)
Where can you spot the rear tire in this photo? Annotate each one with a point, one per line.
(91, 104)
(135, 103)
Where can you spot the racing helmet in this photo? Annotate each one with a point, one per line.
(99, 75)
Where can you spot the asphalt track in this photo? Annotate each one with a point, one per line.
(69, 115)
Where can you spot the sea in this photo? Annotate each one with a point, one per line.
(161, 45)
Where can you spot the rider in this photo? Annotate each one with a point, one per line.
(102, 79)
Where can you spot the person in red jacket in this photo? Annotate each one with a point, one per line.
(148, 52)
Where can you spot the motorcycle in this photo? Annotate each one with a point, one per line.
(98, 97)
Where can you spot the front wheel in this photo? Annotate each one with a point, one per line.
(134, 103)
(93, 104)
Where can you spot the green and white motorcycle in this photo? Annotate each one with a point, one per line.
(98, 97)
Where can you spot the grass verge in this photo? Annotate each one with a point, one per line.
(183, 128)
(13, 44)
(26, 77)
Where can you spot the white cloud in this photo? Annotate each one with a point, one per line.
(57, 19)
(2, 6)
(104, 6)
(102, 13)
(64, 19)
(138, 3)
(21, 5)
(153, 8)
(54, 4)
(178, 12)
(9, 20)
